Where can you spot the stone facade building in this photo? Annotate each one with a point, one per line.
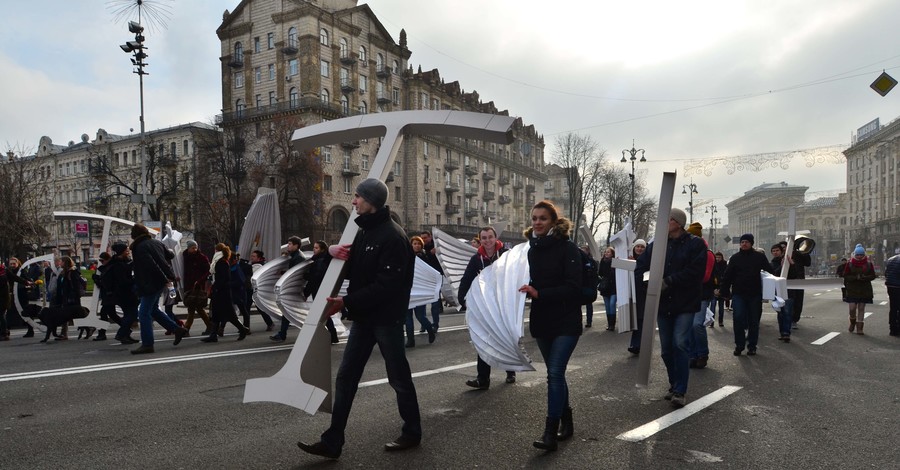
(762, 211)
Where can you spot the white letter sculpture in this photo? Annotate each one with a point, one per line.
(304, 381)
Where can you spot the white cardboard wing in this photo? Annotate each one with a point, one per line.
(454, 256)
(262, 226)
(172, 240)
(426, 287)
(263, 282)
(626, 312)
(289, 293)
(496, 309)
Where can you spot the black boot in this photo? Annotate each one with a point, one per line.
(101, 335)
(213, 335)
(548, 440)
(566, 429)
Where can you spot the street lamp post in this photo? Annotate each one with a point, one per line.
(137, 48)
(693, 190)
(712, 211)
(632, 153)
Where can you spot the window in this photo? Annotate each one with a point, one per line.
(270, 40)
(292, 37)
(423, 101)
(398, 193)
(379, 61)
(365, 162)
(395, 98)
(363, 108)
(256, 44)
(257, 74)
(362, 53)
(325, 96)
(173, 150)
(348, 185)
(238, 52)
(259, 157)
(239, 108)
(395, 68)
(426, 180)
(437, 197)
(435, 104)
(397, 168)
(258, 100)
(323, 37)
(238, 80)
(271, 72)
(293, 67)
(294, 97)
(271, 98)
(345, 50)
(425, 150)
(326, 151)
(363, 83)
(326, 183)
(347, 159)
(324, 66)
(345, 77)
(345, 104)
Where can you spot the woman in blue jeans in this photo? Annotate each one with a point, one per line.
(418, 246)
(608, 287)
(555, 318)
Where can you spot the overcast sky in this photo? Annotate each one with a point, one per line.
(685, 80)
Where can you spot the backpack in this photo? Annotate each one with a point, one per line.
(710, 264)
(590, 278)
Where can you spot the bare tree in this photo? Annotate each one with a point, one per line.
(582, 161)
(23, 200)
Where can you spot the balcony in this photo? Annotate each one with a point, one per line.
(451, 165)
(471, 191)
(488, 196)
(504, 180)
(290, 47)
(350, 144)
(350, 170)
(471, 213)
(304, 104)
(530, 200)
(451, 187)
(383, 98)
(347, 85)
(451, 209)
(487, 176)
(518, 184)
(382, 71)
(517, 203)
(390, 177)
(236, 62)
(503, 200)
(529, 188)
(347, 58)
(166, 161)
(471, 170)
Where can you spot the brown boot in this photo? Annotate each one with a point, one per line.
(859, 327)
(852, 324)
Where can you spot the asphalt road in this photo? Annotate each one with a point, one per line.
(87, 404)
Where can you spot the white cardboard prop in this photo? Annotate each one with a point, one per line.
(454, 256)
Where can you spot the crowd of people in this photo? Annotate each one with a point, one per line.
(696, 284)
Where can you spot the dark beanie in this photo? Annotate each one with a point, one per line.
(119, 247)
(138, 230)
(373, 191)
(748, 237)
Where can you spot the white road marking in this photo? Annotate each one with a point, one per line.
(640, 433)
(817, 294)
(825, 338)
(867, 315)
(422, 374)
(883, 302)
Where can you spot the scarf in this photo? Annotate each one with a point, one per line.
(216, 258)
(858, 263)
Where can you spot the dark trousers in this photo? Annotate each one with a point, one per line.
(747, 310)
(894, 314)
(797, 296)
(362, 340)
(484, 371)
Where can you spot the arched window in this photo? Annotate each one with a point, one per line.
(326, 97)
(239, 108)
(362, 53)
(345, 49)
(323, 36)
(379, 61)
(363, 107)
(238, 52)
(294, 97)
(292, 37)
(338, 219)
(174, 149)
(395, 67)
(345, 104)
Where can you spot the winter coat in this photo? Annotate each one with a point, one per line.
(607, 274)
(196, 270)
(554, 264)
(68, 291)
(151, 266)
(220, 301)
(316, 273)
(477, 263)
(892, 271)
(742, 276)
(381, 268)
(431, 258)
(119, 280)
(858, 279)
(238, 284)
(682, 276)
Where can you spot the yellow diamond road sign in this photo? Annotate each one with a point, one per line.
(883, 84)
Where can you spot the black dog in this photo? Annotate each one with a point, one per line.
(53, 317)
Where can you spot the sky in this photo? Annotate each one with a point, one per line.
(685, 81)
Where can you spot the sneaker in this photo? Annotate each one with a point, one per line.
(794, 326)
(751, 352)
(277, 338)
(738, 351)
(320, 449)
(510, 377)
(475, 383)
(678, 400)
(669, 394)
(633, 350)
(142, 350)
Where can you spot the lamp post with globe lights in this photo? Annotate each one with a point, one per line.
(632, 156)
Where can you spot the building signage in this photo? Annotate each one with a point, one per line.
(81, 228)
(870, 128)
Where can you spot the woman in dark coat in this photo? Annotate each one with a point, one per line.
(220, 302)
(608, 287)
(555, 318)
(858, 275)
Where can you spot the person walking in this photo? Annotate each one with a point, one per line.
(699, 355)
(321, 259)
(608, 287)
(257, 260)
(679, 299)
(119, 280)
(786, 313)
(489, 250)
(221, 304)
(858, 276)
(293, 252)
(152, 275)
(742, 282)
(8, 278)
(719, 305)
(640, 288)
(799, 262)
(238, 284)
(554, 263)
(419, 311)
(381, 265)
(196, 271)
(107, 297)
(892, 281)
(431, 258)
(589, 264)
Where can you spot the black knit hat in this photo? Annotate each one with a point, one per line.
(373, 191)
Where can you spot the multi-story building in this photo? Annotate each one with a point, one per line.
(762, 211)
(309, 62)
(824, 218)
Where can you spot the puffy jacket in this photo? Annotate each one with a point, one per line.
(380, 268)
(742, 274)
(118, 278)
(892, 271)
(682, 275)
(858, 279)
(151, 267)
(554, 264)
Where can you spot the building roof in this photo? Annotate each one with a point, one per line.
(820, 203)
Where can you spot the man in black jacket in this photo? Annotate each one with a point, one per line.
(431, 258)
(152, 274)
(679, 300)
(295, 257)
(743, 283)
(380, 263)
(119, 280)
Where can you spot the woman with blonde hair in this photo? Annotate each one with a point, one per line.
(221, 305)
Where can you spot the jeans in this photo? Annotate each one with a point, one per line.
(699, 342)
(796, 295)
(894, 313)
(589, 314)
(747, 311)
(720, 307)
(423, 320)
(129, 315)
(609, 301)
(436, 309)
(149, 311)
(285, 324)
(557, 351)
(362, 340)
(786, 317)
(674, 345)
